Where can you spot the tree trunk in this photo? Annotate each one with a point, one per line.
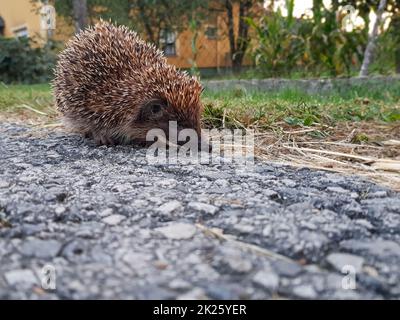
(317, 5)
(397, 61)
(243, 35)
(369, 50)
(238, 45)
(231, 29)
(80, 13)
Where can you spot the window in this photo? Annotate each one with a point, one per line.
(211, 32)
(47, 17)
(21, 32)
(2, 26)
(168, 42)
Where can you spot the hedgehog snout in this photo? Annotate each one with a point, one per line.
(203, 142)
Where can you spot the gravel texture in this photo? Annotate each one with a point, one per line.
(113, 226)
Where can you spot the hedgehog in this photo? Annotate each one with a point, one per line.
(113, 87)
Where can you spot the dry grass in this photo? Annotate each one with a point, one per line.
(377, 159)
(356, 135)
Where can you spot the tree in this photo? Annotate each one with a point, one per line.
(238, 33)
(75, 11)
(147, 17)
(152, 17)
(369, 50)
(80, 14)
(395, 32)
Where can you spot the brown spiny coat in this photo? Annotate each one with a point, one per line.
(114, 87)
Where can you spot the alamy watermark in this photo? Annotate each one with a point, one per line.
(48, 277)
(349, 280)
(186, 146)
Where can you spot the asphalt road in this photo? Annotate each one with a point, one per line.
(106, 224)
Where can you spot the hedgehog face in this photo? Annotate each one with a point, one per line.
(153, 111)
(157, 114)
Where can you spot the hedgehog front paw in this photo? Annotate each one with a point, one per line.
(101, 140)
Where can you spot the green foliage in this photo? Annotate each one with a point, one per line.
(147, 17)
(278, 47)
(24, 61)
(331, 49)
(359, 138)
(387, 57)
(281, 46)
(318, 46)
(16, 98)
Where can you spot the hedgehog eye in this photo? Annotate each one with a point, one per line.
(153, 110)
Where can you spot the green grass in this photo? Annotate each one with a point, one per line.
(300, 109)
(14, 98)
(239, 107)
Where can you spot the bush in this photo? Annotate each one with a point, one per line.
(278, 49)
(387, 54)
(286, 46)
(22, 60)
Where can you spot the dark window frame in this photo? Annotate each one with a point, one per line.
(17, 32)
(168, 40)
(213, 35)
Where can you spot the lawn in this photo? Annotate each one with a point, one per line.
(350, 132)
(256, 109)
(299, 109)
(32, 103)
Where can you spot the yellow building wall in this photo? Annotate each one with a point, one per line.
(20, 13)
(211, 53)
